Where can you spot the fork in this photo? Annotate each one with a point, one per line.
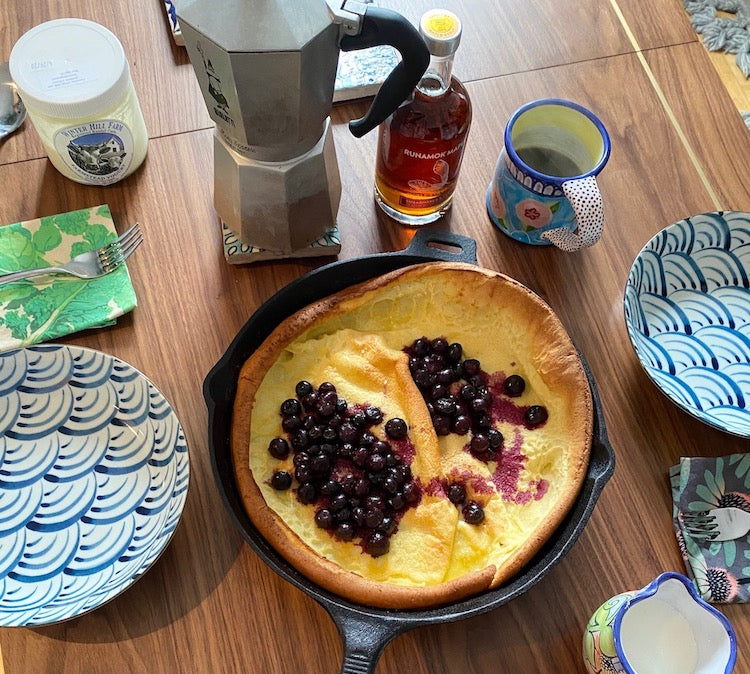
(92, 264)
(719, 524)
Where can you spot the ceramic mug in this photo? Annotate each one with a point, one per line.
(544, 187)
(664, 627)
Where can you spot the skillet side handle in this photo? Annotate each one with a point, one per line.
(364, 637)
(445, 246)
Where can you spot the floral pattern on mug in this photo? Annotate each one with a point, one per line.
(496, 203)
(533, 213)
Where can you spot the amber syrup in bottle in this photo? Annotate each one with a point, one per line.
(421, 145)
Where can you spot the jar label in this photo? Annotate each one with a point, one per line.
(100, 152)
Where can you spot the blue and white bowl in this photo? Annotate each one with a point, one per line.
(687, 311)
(94, 474)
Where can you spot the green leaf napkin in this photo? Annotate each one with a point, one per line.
(720, 570)
(43, 308)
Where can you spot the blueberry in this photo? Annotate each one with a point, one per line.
(471, 367)
(373, 415)
(345, 531)
(300, 439)
(310, 401)
(412, 492)
(495, 438)
(291, 423)
(396, 428)
(303, 388)
(461, 424)
(421, 346)
(278, 448)
(374, 517)
(473, 513)
(446, 405)
(479, 443)
(439, 345)
(281, 480)
(455, 351)
(324, 518)
(514, 385)
(456, 493)
(291, 407)
(535, 415)
(377, 544)
(467, 392)
(442, 424)
(361, 487)
(306, 493)
(348, 432)
(330, 488)
(376, 462)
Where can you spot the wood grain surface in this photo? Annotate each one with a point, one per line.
(210, 604)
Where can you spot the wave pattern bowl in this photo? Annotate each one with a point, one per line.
(687, 311)
(93, 478)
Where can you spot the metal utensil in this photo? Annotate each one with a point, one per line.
(93, 264)
(12, 109)
(719, 524)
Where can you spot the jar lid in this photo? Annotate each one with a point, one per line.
(441, 31)
(69, 68)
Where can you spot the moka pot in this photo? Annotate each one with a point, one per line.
(266, 69)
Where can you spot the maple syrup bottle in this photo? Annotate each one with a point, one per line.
(420, 146)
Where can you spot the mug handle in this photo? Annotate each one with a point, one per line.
(587, 204)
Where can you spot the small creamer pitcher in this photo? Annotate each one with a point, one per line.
(665, 628)
(544, 188)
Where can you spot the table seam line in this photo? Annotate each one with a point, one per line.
(667, 108)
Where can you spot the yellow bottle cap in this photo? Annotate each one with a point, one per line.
(441, 30)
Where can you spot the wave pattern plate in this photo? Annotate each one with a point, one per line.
(94, 473)
(687, 311)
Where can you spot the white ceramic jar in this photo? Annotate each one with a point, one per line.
(74, 79)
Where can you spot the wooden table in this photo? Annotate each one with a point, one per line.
(679, 148)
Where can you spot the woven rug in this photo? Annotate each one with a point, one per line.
(725, 33)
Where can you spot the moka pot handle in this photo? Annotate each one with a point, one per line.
(384, 26)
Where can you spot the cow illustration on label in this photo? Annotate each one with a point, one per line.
(101, 151)
(97, 154)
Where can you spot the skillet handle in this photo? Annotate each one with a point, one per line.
(445, 246)
(364, 637)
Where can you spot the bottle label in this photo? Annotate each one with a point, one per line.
(432, 172)
(100, 152)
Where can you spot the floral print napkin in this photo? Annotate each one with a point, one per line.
(46, 307)
(720, 570)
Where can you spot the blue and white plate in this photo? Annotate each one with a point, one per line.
(94, 473)
(687, 310)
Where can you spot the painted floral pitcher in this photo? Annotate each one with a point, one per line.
(544, 188)
(665, 628)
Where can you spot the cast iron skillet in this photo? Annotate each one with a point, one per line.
(366, 630)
